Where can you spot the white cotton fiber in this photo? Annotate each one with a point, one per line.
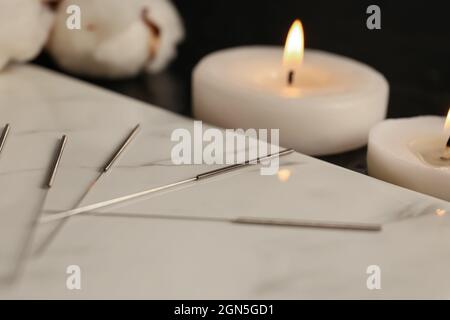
(117, 38)
(24, 29)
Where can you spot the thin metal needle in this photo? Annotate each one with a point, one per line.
(201, 176)
(4, 136)
(122, 148)
(109, 165)
(106, 168)
(307, 224)
(270, 222)
(46, 186)
(57, 161)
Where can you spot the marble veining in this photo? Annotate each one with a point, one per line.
(136, 250)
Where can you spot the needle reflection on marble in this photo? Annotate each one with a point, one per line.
(27, 240)
(24, 251)
(257, 221)
(106, 169)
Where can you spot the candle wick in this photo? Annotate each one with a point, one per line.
(446, 155)
(290, 78)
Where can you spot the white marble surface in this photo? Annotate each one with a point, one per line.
(128, 254)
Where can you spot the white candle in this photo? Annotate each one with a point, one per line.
(328, 108)
(411, 153)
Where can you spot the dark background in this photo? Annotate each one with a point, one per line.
(412, 49)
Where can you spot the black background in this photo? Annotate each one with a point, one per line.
(412, 49)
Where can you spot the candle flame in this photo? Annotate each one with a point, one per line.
(447, 123)
(294, 48)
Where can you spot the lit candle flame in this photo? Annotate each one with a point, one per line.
(446, 155)
(447, 123)
(294, 49)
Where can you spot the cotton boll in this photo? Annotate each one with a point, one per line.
(24, 29)
(114, 56)
(171, 32)
(111, 43)
(117, 38)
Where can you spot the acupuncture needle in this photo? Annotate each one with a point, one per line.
(205, 175)
(269, 222)
(4, 136)
(109, 165)
(105, 169)
(46, 187)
